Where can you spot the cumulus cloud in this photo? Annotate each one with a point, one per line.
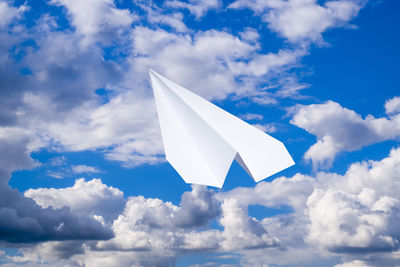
(304, 20)
(84, 197)
(134, 143)
(352, 216)
(152, 230)
(281, 191)
(242, 231)
(362, 206)
(392, 106)
(352, 224)
(158, 226)
(340, 129)
(21, 219)
(97, 20)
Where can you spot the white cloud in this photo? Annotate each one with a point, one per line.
(268, 128)
(251, 116)
(392, 106)
(57, 175)
(197, 7)
(350, 215)
(165, 229)
(341, 222)
(355, 263)
(57, 103)
(302, 20)
(242, 231)
(8, 13)
(97, 20)
(84, 197)
(152, 224)
(281, 191)
(158, 15)
(194, 63)
(340, 129)
(203, 64)
(72, 118)
(333, 216)
(250, 35)
(173, 20)
(84, 169)
(357, 212)
(106, 126)
(96, 126)
(62, 111)
(20, 217)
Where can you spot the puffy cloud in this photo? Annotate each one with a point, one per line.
(64, 75)
(281, 191)
(357, 212)
(303, 20)
(242, 231)
(97, 20)
(91, 197)
(392, 106)
(21, 219)
(340, 129)
(197, 208)
(105, 126)
(158, 226)
(351, 216)
(342, 223)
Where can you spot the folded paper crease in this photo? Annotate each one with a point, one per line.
(201, 140)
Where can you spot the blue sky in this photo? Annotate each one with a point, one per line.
(83, 178)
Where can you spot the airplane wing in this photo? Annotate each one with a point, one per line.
(201, 140)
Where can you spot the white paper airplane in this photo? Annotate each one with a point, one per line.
(201, 140)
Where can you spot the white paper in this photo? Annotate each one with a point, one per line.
(201, 140)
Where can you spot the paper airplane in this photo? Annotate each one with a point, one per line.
(201, 140)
